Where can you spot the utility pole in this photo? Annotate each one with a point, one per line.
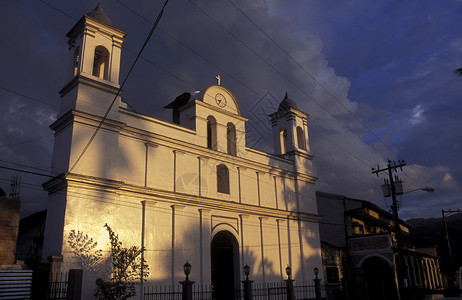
(451, 281)
(392, 166)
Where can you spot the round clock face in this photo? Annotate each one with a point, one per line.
(220, 99)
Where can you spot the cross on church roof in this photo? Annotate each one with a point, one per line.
(218, 77)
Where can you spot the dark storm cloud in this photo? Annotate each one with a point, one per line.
(396, 60)
(400, 57)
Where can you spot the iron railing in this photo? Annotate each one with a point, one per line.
(57, 286)
(260, 291)
(166, 292)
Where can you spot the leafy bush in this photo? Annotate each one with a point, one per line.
(126, 270)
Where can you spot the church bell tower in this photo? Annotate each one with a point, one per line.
(290, 129)
(95, 51)
(91, 92)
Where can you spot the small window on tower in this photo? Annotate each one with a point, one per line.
(301, 138)
(222, 179)
(76, 61)
(283, 140)
(101, 63)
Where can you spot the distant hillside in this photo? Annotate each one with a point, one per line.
(431, 233)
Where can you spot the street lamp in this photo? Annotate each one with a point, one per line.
(247, 283)
(425, 189)
(398, 186)
(317, 284)
(187, 284)
(289, 284)
(187, 269)
(246, 271)
(288, 271)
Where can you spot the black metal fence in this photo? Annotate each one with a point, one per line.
(57, 286)
(260, 291)
(165, 292)
(200, 292)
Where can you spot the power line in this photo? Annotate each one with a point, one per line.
(26, 166)
(29, 172)
(59, 10)
(26, 142)
(28, 97)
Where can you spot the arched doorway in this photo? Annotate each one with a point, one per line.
(380, 283)
(225, 260)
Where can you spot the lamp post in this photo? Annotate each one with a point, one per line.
(289, 284)
(317, 284)
(247, 283)
(402, 282)
(187, 284)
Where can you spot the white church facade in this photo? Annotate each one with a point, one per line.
(187, 190)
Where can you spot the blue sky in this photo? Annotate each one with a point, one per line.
(376, 78)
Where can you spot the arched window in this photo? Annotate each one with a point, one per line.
(222, 179)
(283, 140)
(231, 139)
(211, 133)
(101, 63)
(301, 138)
(75, 62)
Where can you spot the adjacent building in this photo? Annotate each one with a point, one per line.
(186, 190)
(359, 249)
(9, 223)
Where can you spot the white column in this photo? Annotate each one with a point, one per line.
(262, 248)
(302, 255)
(204, 236)
(275, 192)
(245, 258)
(177, 243)
(282, 240)
(258, 188)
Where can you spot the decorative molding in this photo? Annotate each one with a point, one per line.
(173, 198)
(223, 220)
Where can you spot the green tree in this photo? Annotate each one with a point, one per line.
(126, 270)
